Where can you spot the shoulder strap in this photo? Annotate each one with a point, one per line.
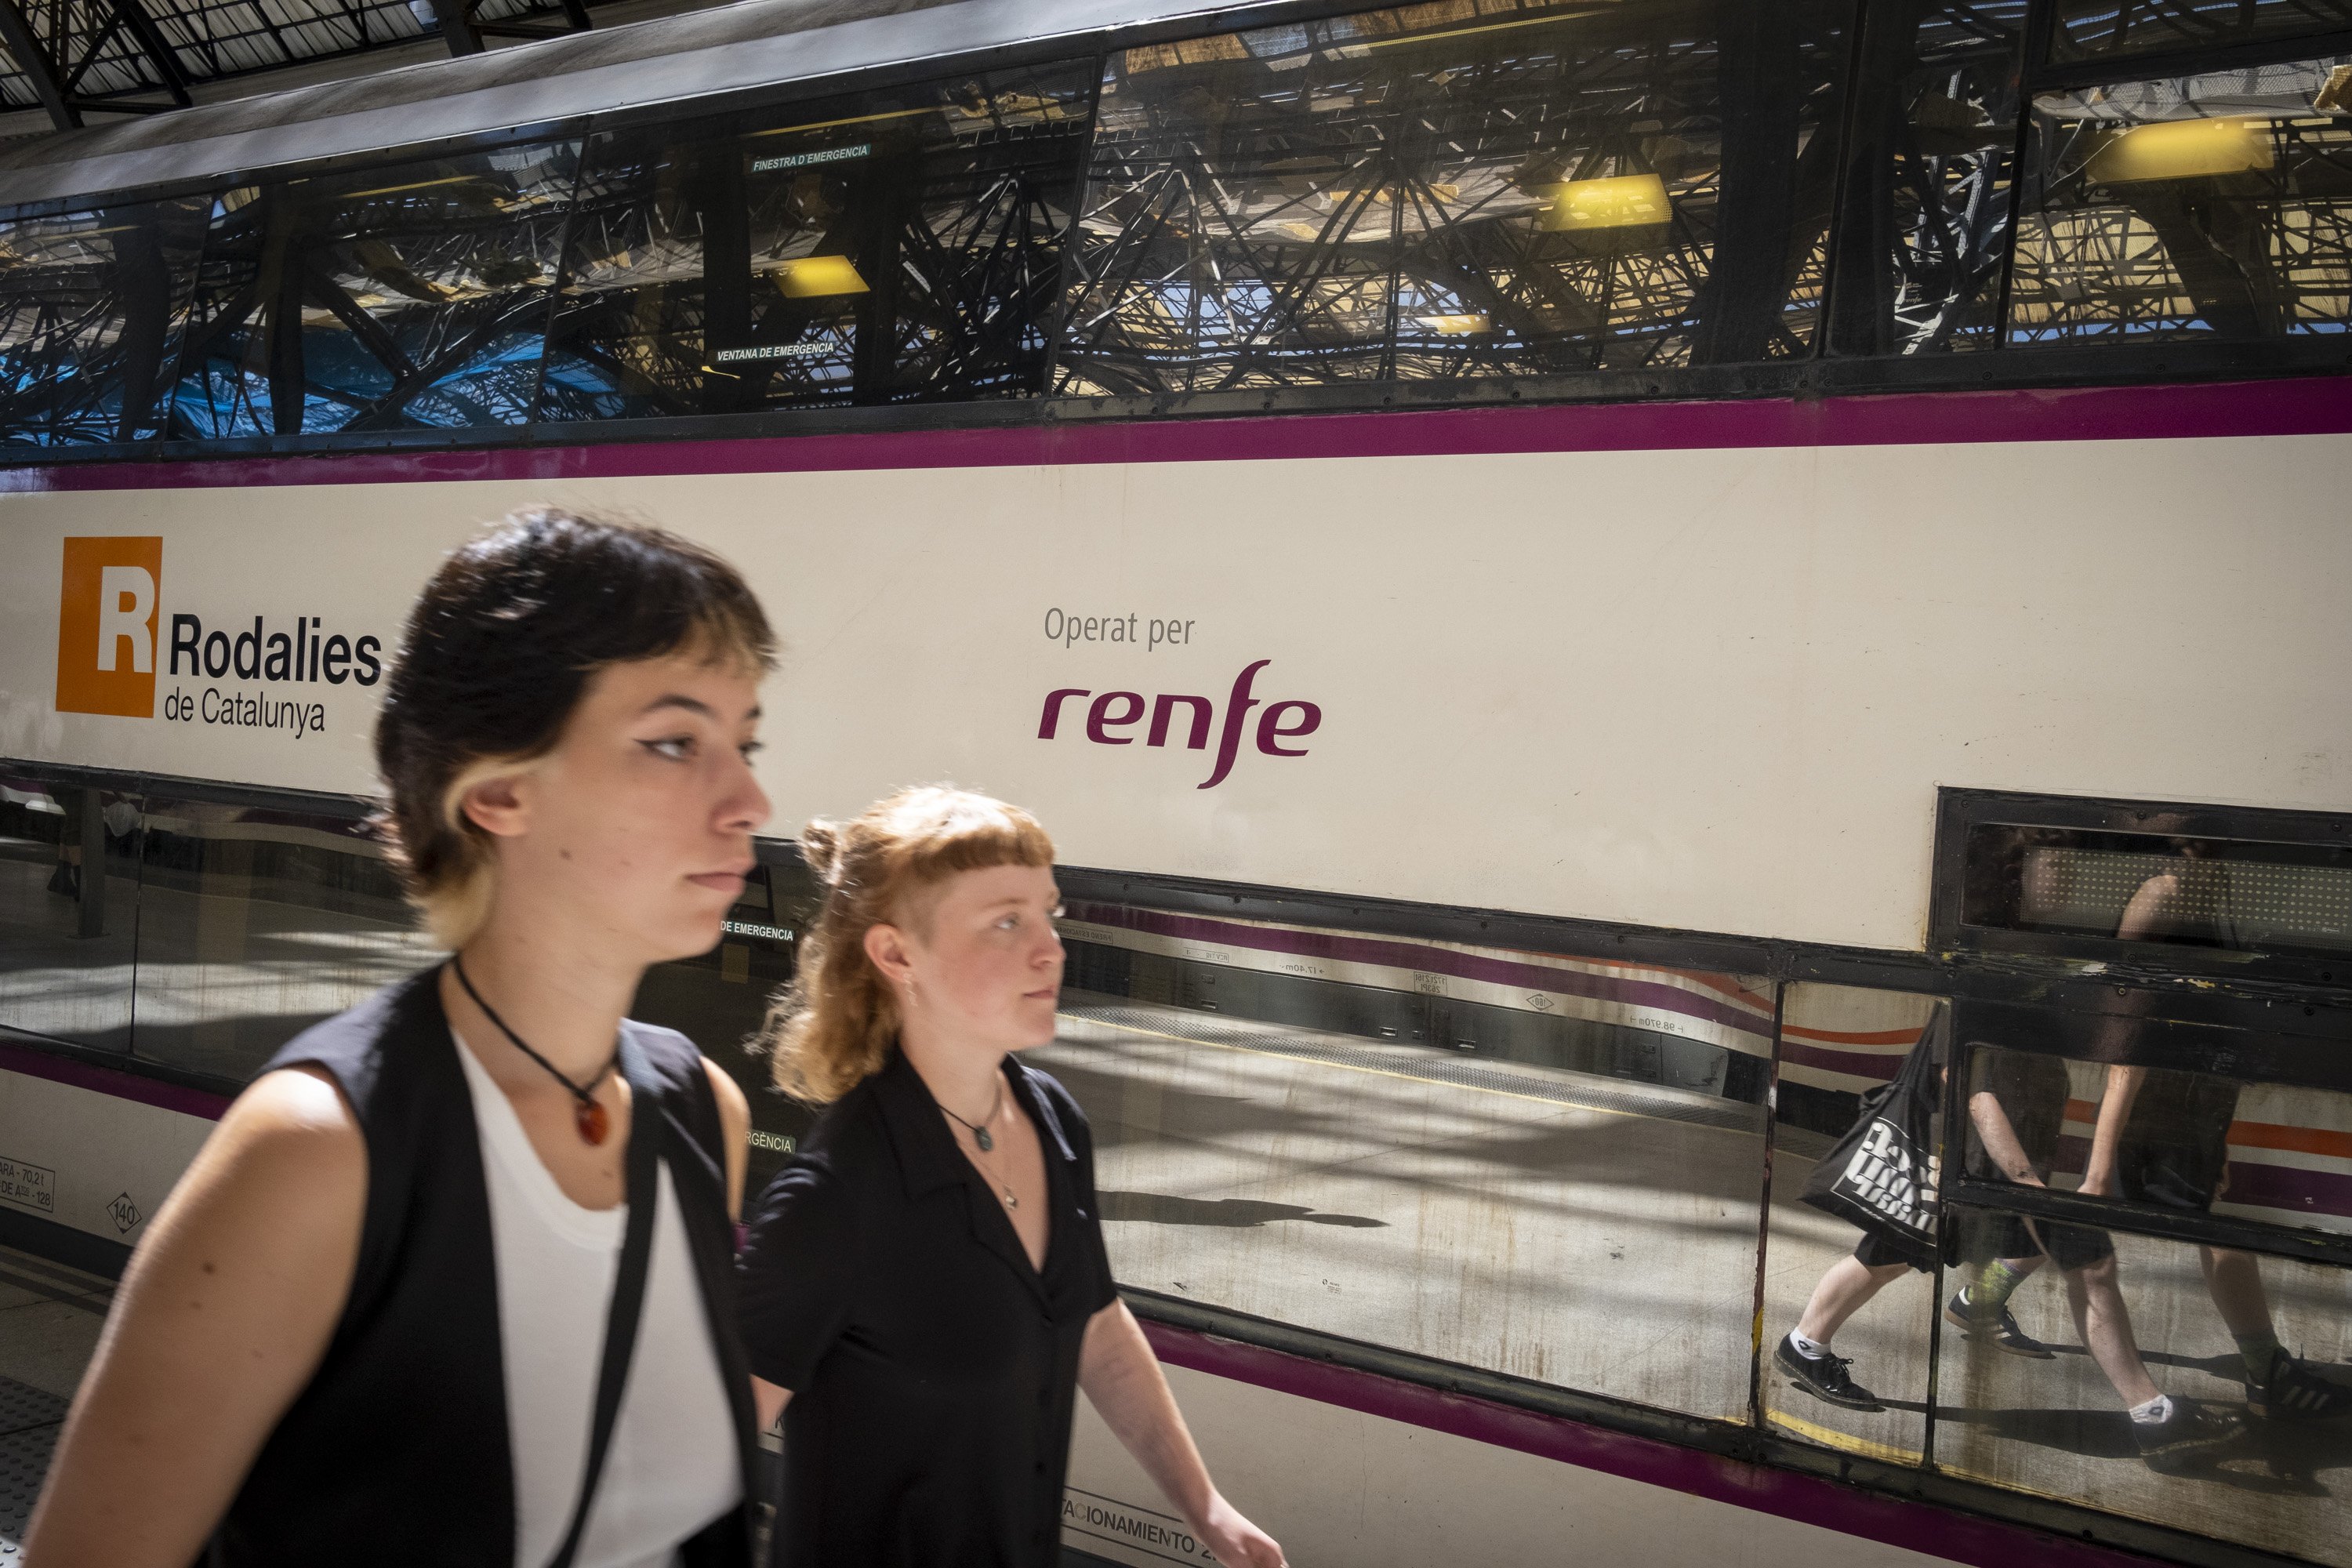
(644, 1189)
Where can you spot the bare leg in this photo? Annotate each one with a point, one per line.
(1849, 1283)
(2105, 1323)
(2235, 1280)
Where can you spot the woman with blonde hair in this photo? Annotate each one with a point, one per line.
(452, 1281)
(926, 1286)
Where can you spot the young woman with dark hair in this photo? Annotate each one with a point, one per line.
(452, 1281)
(926, 1286)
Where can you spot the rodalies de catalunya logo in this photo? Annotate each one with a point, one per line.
(109, 613)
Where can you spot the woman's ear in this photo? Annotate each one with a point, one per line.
(886, 950)
(497, 805)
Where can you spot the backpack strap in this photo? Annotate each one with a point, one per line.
(643, 1194)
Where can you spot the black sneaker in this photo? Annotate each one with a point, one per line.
(2190, 1433)
(2294, 1392)
(1999, 1330)
(1823, 1377)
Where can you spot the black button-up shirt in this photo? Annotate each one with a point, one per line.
(933, 1370)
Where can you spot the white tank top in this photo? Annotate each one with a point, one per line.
(673, 1467)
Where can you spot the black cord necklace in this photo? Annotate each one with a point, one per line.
(979, 1133)
(588, 1115)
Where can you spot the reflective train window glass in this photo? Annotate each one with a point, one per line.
(1464, 188)
(2102, 29)
(2236, 1461)
(2180, 891)
(1540, 1165)
(1926, 209)
(1856, 1291)
(2154, 1114)
(91, 311)
(255, 922)
(895, 246)
(2201, 206)
(721, 999)
(400, 298)
(68, 910)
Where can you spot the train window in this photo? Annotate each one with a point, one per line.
(720, 1000)
(405, 296)
(2155, 1113)
(2103, 29)
(1456, 190)
(1865, 1294)
(254, 922)
(2205, 206)
(1542, 1165)
(1925, 234)
(91, 305)
(2180, 890)
(2192, 1386)
(68, 909)
(895, 246)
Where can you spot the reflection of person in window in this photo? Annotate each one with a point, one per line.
(1878, 1260)
(2017, 1110)
(2162, 1137)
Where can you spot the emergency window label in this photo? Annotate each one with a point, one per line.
(28, 1187)
(1159, 1535)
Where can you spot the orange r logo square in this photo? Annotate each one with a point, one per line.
(106, 626)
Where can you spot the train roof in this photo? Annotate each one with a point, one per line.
(730, 49)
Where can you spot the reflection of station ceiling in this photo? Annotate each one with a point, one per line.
(70, 63)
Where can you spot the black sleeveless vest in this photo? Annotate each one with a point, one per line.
(396, 1451)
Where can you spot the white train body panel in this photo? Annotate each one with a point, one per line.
(1710, 689)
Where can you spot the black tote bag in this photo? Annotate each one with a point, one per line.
(1882, 1176)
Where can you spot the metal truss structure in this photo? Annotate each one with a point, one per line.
(1447, 193)
(414, 297)
(1381, 197)
(938, 218)
(76, 57)
(2096, 29)
(2261, 253)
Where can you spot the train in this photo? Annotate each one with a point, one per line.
(1568, 580)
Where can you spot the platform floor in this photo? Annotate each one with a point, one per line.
(50, 1321)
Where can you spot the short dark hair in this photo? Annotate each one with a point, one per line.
(494, 657)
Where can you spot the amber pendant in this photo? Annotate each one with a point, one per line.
(593, 1120)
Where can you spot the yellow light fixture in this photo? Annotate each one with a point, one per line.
(1626, 201)
(814, 276)
(1454, 326)
(2181, 150)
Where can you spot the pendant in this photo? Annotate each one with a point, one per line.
(592, 1119)
(1009, 1201)
(980, 1135)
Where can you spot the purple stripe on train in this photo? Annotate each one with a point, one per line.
(121, 1085)
(1809, 1499)
(2309, 406)
(1341, 948)
(1878, 1066)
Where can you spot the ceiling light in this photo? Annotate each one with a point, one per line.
(1628, 200)
(2181, 150)
(1454, 326)
(812, 277)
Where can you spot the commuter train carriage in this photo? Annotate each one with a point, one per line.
(1571, 578)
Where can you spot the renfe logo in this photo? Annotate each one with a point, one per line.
(107, 600)
(1121, 710)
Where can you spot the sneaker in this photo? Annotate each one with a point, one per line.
(2189, 1433)
(2001, 1330)
(1823, 1377)
(2294, 1392)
